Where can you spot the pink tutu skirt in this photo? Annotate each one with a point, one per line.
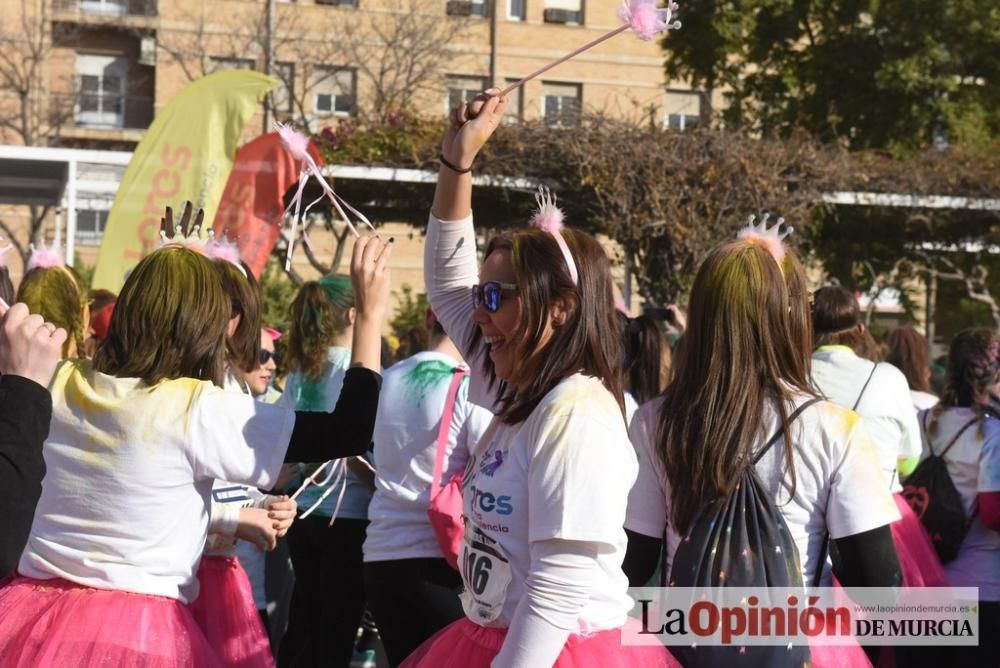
(917, 557)
(226, 613)
(59, 624)
(464, 644)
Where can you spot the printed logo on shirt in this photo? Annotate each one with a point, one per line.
(488, 468)
(491, 503)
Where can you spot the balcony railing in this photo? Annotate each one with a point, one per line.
(108, 7)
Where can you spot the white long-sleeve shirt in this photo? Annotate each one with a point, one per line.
(543, 498)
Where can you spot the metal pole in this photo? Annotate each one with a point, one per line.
(70, 211)
(932, 282)
(268, 61)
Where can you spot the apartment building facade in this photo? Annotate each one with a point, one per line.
(110, 65)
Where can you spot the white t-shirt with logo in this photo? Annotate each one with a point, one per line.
(563, 473)
(974, 466)
(411, 404)
(130, 469)
(838, 486)
(886, 408)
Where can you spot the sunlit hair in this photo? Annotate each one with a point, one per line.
(319, 315)
(647, 357)
(169, 321)
(973, 365)
(908, 352)
(243, 347)
(54, 294)
(588, 342)
(739, 359)
(835, 318)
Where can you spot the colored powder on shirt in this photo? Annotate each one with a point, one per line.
(312, 394)
(424, 376)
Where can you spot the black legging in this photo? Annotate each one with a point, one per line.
(329, 596)
(411, 600)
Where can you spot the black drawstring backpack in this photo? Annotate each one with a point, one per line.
(741, 540)
(932, 495)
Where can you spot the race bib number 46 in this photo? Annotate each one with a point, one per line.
(486, 573)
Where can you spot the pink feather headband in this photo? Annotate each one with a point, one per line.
(298, 145)
(643, 17)
(770, 239)
(549, 218)
(45, 257)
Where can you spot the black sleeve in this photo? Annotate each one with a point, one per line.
(345, 432)
(867, 559)
(641, 558)
(25, 414)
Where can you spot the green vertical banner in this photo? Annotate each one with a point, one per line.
(186, 154)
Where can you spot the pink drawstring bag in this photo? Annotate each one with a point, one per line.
(445, 505)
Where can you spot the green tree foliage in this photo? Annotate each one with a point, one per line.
(277, 292)
(896, 74)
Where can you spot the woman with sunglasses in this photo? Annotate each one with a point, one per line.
(328, 600)
(546, 488)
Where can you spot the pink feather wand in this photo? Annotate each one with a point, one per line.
(298, 145)
(641, 16)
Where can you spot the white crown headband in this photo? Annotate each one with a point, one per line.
(549, 218)
(770, 239)
(212, 247)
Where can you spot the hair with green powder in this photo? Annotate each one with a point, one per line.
(54, 294)
(319, 315)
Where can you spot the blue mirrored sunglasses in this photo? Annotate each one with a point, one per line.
(488, 294)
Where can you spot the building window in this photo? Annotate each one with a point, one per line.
(101, 90)
(90, 226)
(516, 10)
(467, 7)
(223, 64)
(561, 104)
(282, 97)
(515, 104)
(333, 91)
(564, 11)
(462, 89)
(335, 3)
(682, 109)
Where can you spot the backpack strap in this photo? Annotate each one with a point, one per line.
(864, 388)
(442, 436)
(781, 430)
(955, 438)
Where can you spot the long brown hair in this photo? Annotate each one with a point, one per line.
(647, 357)
(54, 294)
(743, 351)
(243, 347)
(588, 342)
(319, 315)
(908, 353)
(169, 322)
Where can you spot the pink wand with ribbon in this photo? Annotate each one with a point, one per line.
(641, 16)
(298, 145)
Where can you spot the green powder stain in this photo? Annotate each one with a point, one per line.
(424, 376)
(311, 394)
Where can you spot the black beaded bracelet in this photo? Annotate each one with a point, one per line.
(444, 161)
